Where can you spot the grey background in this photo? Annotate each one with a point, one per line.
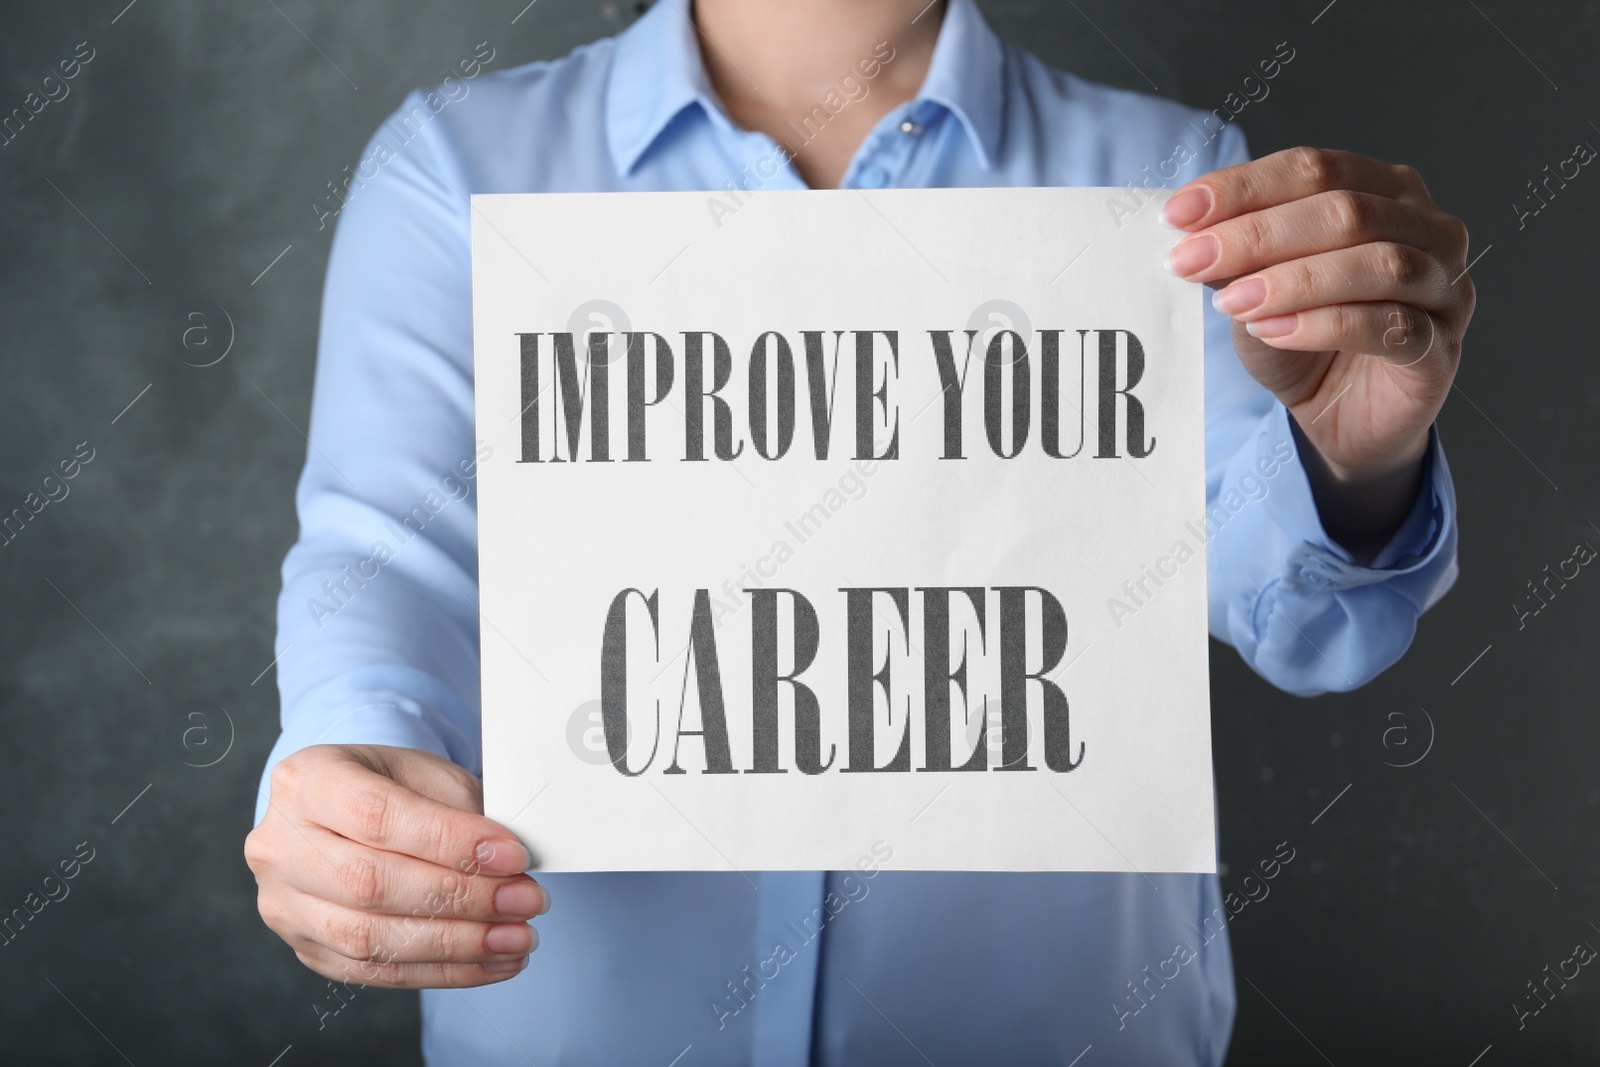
(138, 610)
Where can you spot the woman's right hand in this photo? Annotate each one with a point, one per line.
(377, 866)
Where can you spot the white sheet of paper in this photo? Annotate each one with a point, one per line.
(1122, 712)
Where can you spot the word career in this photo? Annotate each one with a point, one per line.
(944, 668)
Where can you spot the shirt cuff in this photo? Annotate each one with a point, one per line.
(1418, 561)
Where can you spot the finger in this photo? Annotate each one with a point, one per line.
(408, 975)
(432, 776)
(1399, 333)
(1371, 272)
(364, 936)
(1284, 177)
(334, 868)
(366, 807)
(1321, 223)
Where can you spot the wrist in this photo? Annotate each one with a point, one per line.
(1372, 475)
(1361, 508)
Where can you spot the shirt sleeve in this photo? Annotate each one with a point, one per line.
(1300, 612)
(377, 637)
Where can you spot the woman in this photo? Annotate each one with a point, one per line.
(1340, 307)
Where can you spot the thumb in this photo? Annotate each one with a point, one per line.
(423, 772)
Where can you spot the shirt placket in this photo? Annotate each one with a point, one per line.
(884, 156)
(782, 981)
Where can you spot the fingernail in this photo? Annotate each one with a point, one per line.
(1276, 326)
(504, 966)
(1187, 208)
(522, 899)
(503, 856)
(508, 937)
(1193, 255)
(1240, 298)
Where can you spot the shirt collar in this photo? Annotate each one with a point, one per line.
(657, 72)
(966, 77)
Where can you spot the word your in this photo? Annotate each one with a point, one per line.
(55, 90)
(405, 128)
(1142, 994)
(810, 928)
(1255, 90)
(849, 91)
(864, 679)
(850, 486)
(1581, 155)
(1582, 553)
(1582, 954)
(55, 890)
(1229, 503)
(55, 491)
(342, 592)
(773, 371)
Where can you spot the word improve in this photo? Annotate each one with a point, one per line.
(775, 376)
(863, 682)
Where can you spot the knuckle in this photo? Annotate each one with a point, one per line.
(456, 897)
(392, 975)
(465, 791)
(441, 837)
(1300, 279)
(1248, 233)
(473, 789)
(371, 809)
(1343, 320)
(1314, 166)
(1395, 263)
(285, 776)
(1353, 214)
(270, 906)
(257, 852)
(453, 943)
(1407, 322)
(359, 880)
(350, 935)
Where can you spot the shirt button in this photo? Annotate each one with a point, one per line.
(872, 178)
(910, 127)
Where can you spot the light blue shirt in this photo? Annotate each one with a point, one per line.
(910, 967)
